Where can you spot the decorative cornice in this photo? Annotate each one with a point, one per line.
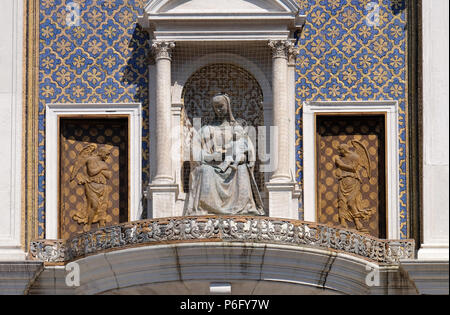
(283, 49)
(162, 49)
(227, 229)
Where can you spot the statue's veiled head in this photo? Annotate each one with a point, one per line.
(222, 107)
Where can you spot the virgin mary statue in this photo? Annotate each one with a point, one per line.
(222, 181)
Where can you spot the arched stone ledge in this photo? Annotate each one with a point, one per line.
(249, 268)
(227, 229)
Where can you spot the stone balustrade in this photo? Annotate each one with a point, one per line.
(225, 229)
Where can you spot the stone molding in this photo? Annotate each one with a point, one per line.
(11, 132)
(250, 268)
(429, 277)
(17, 276)
(225, 229)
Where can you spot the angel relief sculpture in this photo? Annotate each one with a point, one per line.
(95, 182)
(351, 164)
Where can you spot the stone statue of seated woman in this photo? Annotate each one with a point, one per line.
(222, 183)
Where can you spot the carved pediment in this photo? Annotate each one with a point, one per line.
(194, 20)
(202, 7)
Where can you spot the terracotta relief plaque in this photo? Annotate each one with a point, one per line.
(93, 174)
(351, 187)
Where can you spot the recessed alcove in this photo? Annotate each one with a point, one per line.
(243, 48)
(373, 111)
(82, 186)
(61, 128)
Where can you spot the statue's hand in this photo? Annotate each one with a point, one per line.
(251, 164)
(81, 179)
(217, 156)
(209, 157)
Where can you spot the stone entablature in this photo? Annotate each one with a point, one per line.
(225, 229)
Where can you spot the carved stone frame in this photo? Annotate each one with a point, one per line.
(390, 109)
(56, 111)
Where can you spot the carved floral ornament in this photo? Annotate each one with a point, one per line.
(280, 49)
(162, 49)
(283, 49)
(225, 229)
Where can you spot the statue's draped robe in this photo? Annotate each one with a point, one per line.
(349, 193)
(96, 191)
(233, 192)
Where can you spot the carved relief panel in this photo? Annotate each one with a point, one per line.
(93, 174)
(351, 186)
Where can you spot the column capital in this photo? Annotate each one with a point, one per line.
(283, 49)
(162, 49)
(292, 55)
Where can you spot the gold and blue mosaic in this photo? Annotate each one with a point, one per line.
(101, 59)
(342, 57)
(354, 50)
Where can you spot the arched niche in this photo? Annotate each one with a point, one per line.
(187, 35)
(246, 97)
(181, 77)
(244, 90)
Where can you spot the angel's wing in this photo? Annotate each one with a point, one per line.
(364, 160)
(81, 159)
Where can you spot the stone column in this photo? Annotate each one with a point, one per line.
(283, 191)
(163, 190)
(280, 52)
(162, 53)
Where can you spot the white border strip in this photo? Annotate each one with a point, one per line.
(392, 164)
(53, 112)
(11, 100)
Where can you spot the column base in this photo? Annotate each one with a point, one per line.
(162, 180)
(12, 254)
(162, 200)
(433, 252)
(283, 199)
